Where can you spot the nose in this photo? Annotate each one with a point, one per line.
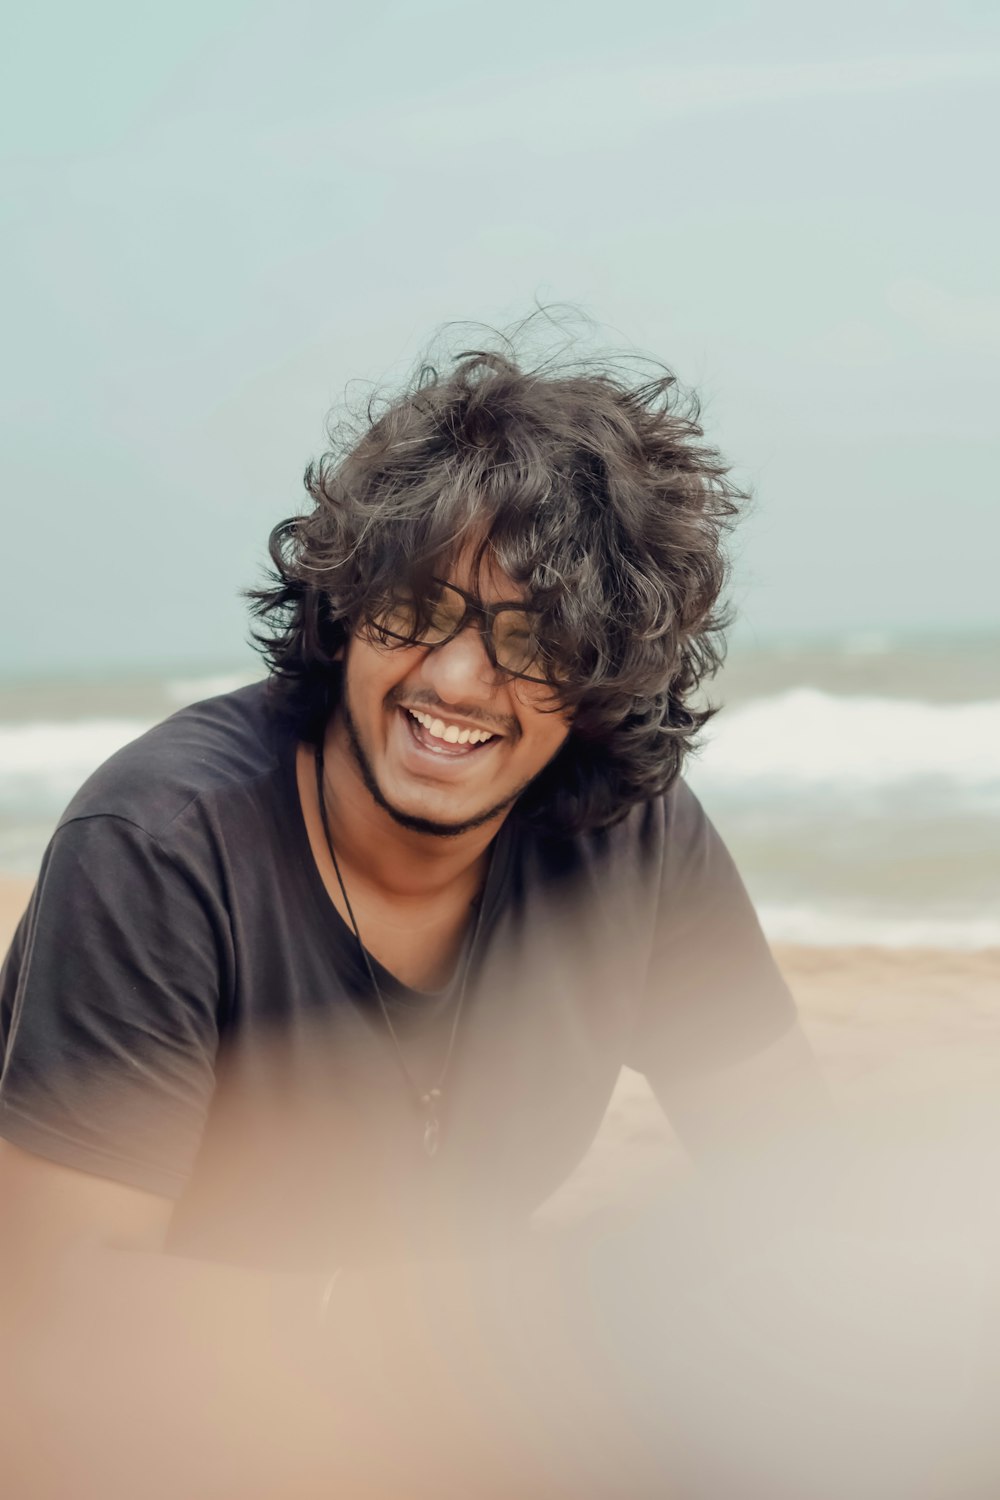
(461, 669)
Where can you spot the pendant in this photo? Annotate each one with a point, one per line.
(432, 1125)
(432, 1135)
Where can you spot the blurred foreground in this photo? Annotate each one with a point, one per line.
(824, 1325)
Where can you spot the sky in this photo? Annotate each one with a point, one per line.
(222, 219)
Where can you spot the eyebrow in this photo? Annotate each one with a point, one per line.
(531, 609)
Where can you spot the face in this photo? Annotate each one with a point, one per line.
(443, 740)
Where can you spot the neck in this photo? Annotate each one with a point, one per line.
(400, 863)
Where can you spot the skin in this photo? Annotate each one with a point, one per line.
(412, 825)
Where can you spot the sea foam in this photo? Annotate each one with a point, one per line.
(61, 753)
(831, 926)
(807, 736)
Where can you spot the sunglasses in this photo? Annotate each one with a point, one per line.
(507, 629)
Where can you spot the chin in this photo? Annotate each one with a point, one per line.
(446, 816)
(439, 816)
(443, 822)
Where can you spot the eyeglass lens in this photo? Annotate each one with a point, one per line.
(514, 644)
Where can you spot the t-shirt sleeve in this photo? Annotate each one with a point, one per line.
(109, 1005)
(713, 993)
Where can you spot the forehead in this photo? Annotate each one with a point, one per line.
(478, 572)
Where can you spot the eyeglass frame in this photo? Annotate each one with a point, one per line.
(484, 615)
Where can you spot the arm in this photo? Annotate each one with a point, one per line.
(718, 1035)
(142, 1373)
(131, 1363)
(771, 1097)
(108, 1008)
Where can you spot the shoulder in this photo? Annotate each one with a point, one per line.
(203, 752)
(651, 840)
(138, 857)
(632, 870)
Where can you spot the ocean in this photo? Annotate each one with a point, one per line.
(856, 781)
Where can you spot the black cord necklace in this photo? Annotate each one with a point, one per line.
(427, 1101)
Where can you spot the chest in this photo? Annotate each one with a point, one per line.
(311, 1112)
(419, 946)
(313, 1148)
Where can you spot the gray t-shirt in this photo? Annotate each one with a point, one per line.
(183, 1009)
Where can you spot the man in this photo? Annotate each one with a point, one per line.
(340, 970)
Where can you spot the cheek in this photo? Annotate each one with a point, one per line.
(372, 672)
(544, 730)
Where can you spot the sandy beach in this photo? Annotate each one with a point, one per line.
(893, 1029)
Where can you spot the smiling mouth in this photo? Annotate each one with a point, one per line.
(442, 738)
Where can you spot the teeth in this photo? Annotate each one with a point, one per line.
(450, 733)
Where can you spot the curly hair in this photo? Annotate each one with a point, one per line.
(589, 490)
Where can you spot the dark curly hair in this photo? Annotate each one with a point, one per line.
(585, 486)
